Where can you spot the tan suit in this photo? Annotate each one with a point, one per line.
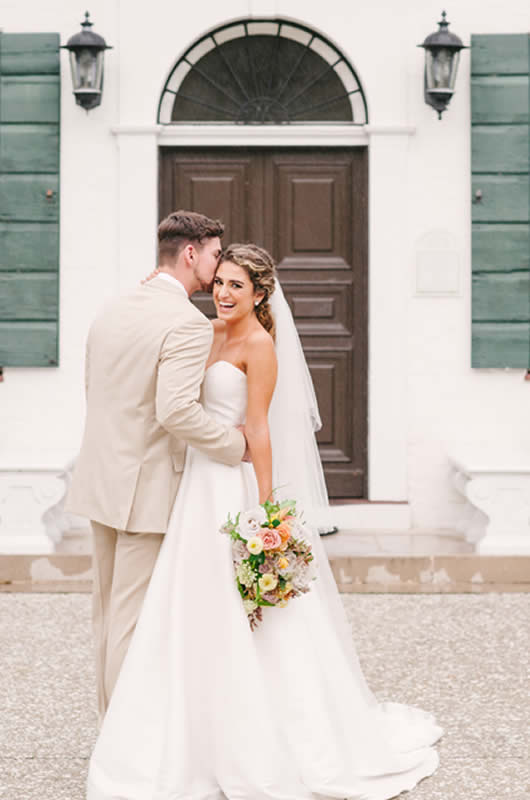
(146, 357)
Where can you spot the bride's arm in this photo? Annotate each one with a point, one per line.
(262, 370)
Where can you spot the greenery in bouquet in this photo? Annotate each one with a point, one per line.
(272, 557)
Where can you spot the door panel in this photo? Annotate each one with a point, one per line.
(220, 187)
(311, 202)
(308, 208)
(312, 238)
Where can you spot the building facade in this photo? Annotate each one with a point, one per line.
(402, 240)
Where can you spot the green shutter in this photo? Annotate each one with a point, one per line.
(500, 120)
(29, 204)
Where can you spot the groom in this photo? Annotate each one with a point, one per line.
(145, 361)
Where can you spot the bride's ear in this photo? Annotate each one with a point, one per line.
(258, 297)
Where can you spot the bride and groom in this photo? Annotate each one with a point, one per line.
(195, 705)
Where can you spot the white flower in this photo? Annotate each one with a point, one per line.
(255, 546)
(245, 574)
(301, 533)
(268, 582)
(251, 521)
(226, 528)
(300, 576)
(239, 551)
(284, 564)
(249, 606)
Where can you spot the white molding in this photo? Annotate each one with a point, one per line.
(387, 311)
(262, 135)
(26, 496)
(135, 130)
(496, 482)
(390, 130)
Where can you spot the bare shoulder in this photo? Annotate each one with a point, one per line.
(261, 351)
(218, 326)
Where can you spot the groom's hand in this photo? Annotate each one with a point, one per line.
(246, 455)
(151, 275)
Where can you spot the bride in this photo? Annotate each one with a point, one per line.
(204, 708)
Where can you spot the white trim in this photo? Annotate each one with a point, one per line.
(390, 130)
(263, 135)
(134, 130)
(387, 311)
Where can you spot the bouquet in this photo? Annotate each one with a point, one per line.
(271, 556)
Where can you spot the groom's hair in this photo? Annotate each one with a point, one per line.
(182, 227)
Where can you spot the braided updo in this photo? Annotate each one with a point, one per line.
(261, 270)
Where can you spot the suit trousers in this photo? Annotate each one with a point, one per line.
(123, 563)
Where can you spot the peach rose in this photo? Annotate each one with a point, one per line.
(270, 537)
(284, 529)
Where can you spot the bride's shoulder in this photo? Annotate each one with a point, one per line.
(260, 348)
(218, 326)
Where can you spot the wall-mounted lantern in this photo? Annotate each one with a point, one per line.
(442, 53)
(87, 50)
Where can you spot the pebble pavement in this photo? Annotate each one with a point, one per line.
(464, 657)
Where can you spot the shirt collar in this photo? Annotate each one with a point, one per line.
(171, 279)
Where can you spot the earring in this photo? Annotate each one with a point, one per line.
(256, 304)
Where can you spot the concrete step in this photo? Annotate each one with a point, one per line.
(348, 542)
(463, 572)
(404, 542)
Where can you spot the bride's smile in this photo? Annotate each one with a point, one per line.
(233, 292)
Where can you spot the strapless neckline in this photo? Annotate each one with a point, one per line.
(223, 361)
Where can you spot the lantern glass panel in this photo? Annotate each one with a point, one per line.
(87, 61)
(441, 69)
(74, 67)
(99, 69)
(454, 69)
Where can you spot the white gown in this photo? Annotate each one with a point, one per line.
(206, 709)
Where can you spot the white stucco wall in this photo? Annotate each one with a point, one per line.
(424, 397)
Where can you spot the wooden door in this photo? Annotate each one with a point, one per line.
(309, 209)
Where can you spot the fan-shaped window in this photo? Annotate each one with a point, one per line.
(262, 72)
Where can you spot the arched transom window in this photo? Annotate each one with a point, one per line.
(262, 72)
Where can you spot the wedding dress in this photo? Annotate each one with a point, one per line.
(206, 709)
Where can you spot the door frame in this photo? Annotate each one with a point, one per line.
(389, 256)
(346, 470)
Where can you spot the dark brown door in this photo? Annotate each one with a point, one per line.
(309, 209)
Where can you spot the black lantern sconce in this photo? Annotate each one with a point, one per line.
(87, 50)
(442, 53)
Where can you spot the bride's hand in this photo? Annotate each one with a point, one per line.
(246, 457)
(152, 275)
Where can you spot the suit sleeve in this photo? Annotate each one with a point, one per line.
(181, 369)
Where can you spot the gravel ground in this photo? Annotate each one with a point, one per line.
(464, 657)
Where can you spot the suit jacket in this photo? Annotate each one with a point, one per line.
(146, 357)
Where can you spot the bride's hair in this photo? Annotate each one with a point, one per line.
(261, 270)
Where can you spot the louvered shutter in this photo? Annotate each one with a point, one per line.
(29, 199)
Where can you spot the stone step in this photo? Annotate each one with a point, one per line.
(452, 573)
(409, 542)
(348, 542)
